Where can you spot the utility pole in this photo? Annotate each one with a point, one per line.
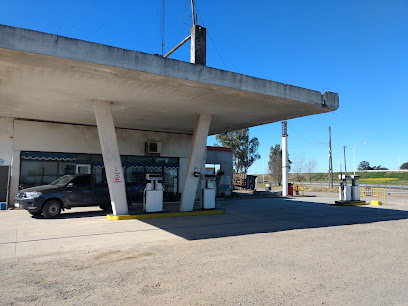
(284, 158)
(330, 161)
(345, 165)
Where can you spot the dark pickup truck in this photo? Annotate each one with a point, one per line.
(70, 191)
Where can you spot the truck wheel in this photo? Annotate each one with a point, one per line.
(35, 213)
(51, 209)
(106, 207)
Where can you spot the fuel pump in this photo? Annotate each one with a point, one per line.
(153, 193)
(349, 194)
(209, 192)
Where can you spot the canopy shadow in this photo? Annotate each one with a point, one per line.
(244, 217)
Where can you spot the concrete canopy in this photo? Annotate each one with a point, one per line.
(53, 78)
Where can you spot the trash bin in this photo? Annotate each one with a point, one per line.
(290, 189)
(3, 205)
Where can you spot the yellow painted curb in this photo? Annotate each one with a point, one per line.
(350, 204)
(166, 215)
(376, 203)
(357, 203)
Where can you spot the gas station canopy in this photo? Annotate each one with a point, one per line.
(52, 78)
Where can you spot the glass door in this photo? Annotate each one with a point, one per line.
(83, 169)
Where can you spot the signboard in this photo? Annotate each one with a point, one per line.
(117, 178)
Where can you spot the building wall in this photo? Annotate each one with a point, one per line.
(54, 137)
(6, 152)
(6, 140)
(222, 156)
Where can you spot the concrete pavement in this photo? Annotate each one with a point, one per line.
(273, 251)
(22, 235)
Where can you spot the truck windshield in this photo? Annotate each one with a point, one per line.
(63, 180)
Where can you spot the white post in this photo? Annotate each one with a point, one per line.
(111, 157)
(284, 165)
(354, 159)
(263, 169)
(195, 160)
(14, 175)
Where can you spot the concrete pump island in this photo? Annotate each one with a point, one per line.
(75, 107)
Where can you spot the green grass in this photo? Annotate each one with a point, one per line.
(380, 178)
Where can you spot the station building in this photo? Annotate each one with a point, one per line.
(72, 106)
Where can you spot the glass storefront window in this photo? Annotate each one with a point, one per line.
(34, 172)
(135, 175)
(166, 160)
(83, 158)
(97, 158)
(153, 169)
(66, 168)
(100, 176)
(139, 159)
(170, 181)
(38, 172)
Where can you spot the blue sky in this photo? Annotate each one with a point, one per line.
(358, 49)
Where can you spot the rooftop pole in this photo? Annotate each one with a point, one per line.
(192, 12)
(198, 46)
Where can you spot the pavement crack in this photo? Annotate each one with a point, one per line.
(15, 244)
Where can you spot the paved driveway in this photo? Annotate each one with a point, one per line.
(261, 252)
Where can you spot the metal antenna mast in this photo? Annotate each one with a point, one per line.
(192, 12)
(162, 26)
(198, 46)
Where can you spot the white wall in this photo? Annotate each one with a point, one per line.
(6, 140)
(53, 137)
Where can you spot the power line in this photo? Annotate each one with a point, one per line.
(182, 14)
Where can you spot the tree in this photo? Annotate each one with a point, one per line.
(379, 168)
(244, 149)
(404, 166)
(310, 168)
(364, 165)
(299, 166)
(275, 163)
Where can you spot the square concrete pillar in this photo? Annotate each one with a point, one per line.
(111, 157)
(198, 48)
(198, 147)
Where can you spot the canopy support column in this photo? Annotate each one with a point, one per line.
(111, 157)
(198, 147)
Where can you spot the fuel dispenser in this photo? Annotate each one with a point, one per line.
(209, 192)
(349, 194)
(153, 193)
